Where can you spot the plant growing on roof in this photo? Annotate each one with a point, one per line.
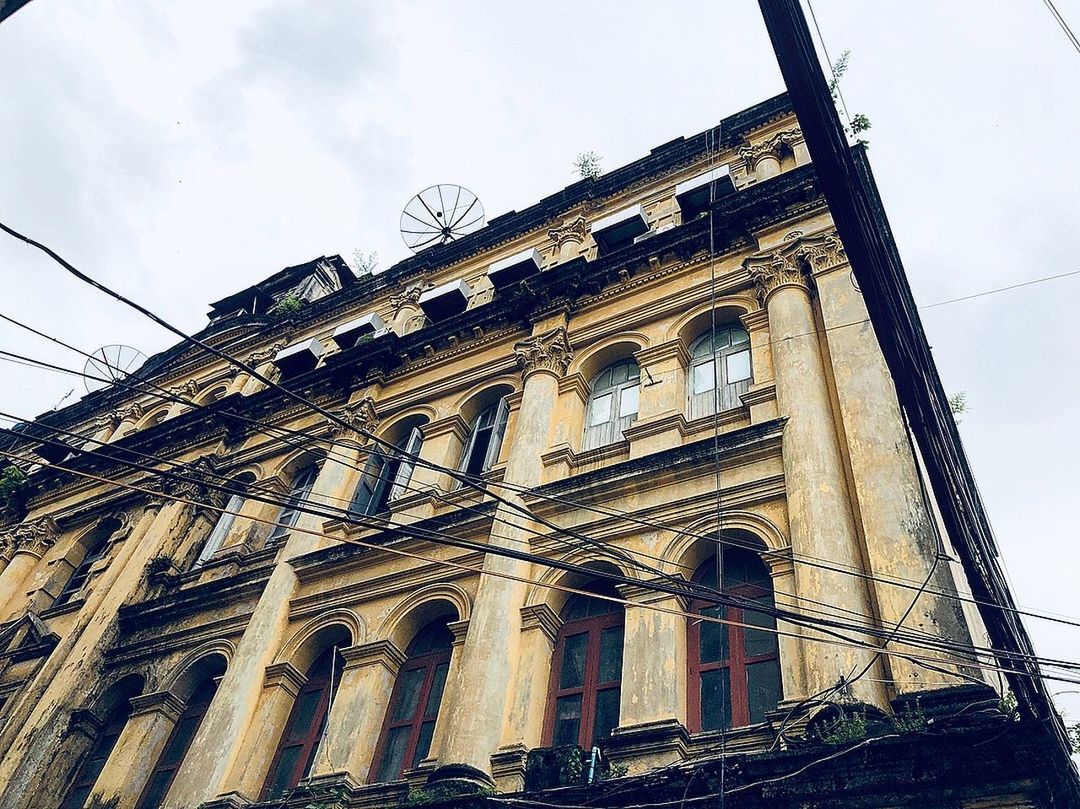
(14, 488)
(858, 123)
(288, 306)
(365, 264)
(587, 165)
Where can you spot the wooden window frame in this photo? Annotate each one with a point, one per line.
(709, 403)
(430, 662)
(610, 431)
(737, 661)
(326, 683)
(193, 709)
(590, 687)
(299, 492)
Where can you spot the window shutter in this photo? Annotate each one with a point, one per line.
(495, 442)
(371, 485)
(405, 469)
(221, 529)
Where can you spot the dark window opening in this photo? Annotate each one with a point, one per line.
(297, 500)
(387, 475)
(485, 440)
(94, 762)
(414, 706)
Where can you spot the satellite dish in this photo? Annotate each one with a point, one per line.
(439, 215)
(112, 363)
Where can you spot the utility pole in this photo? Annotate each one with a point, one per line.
(856, 208)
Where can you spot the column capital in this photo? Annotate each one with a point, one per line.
(774, 272)
(541, 617)
(549, 352)
(285, 675)
(361, 416)
(256, 358)
(383, 653)
(770, 147)
(34, 537)
(162, 702)
(572, 230)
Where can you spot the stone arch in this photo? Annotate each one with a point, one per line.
(287, 467)
(699, 319)
(604, 352)
(542, 592)
(212, 394)
(688, 549)
(110, 696)
(153, 418)
(342, 627)
(397, 426)
(422, 607)
(482, 396)
(210, 659)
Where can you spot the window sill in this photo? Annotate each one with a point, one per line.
(71, 606)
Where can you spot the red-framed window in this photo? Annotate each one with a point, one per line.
(172, 755)
(735, 667)
(583, 696)
(414, 705)
(94, 762)
(300, 739)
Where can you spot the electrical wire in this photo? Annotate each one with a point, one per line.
(1063, 25)
(798, 558)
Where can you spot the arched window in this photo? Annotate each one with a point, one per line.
(387, 474)
(93, 547)
(583, 698)
(300, 738)
(734, 667)
(172, 755)
(613, 404)
(94, 762)
(485, 439)
(225, 521)
(729, 351)
(414, 705)
(290, 512)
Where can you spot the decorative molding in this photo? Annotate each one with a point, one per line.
(383, 653)
(759, 395)
(644, 594)
(575, 383)
(542, 617)
(133, 412)
(190, 389)
(361, 416)
(549, 352)
(647, 357)
(409, 296)
(257, 358)
(791, 264)
(35, 537)
(285, 675)
(770, 147)
(459, 629)
(162, 702)
(572, 230)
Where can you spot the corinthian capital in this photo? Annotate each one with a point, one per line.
(361, 417)
(820, 253)
(772, 272)
(573, 230)
(771, 147)
(545, 352)
(36, 536)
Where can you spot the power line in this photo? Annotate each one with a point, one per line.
(608, 511)
(925, 660)
(1064, 26)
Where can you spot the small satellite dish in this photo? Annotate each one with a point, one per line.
(112, 363)
(440, 214)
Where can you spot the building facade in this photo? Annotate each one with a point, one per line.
(624, 470)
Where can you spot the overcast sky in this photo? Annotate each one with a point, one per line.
(182, 151)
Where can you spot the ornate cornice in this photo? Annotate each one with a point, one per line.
(383, 653)
(572, 230)
(791, 264)
(361, 417)
(549, 352)
(542, 617)
(35, 537)
(257, 358)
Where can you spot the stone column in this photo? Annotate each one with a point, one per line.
(7, 550)
(356, 719)
(237, 383)
(654, 658)
(274, 701)
(225, 755)
(31, 729)
(137, 750)
(901, 541)
(822, 525)
(126, 420)
(489, 659)
(26, 544)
